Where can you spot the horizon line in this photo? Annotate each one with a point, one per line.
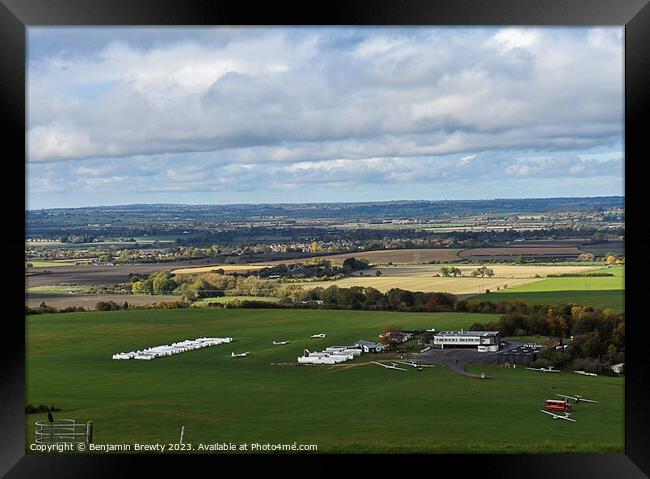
(328, 202)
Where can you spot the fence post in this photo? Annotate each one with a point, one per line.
(89, 432)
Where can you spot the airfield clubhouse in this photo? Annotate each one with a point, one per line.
(486, 341)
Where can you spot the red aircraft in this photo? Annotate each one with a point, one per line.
(557, 405)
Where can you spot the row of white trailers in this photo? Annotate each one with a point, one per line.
(331, 355)
(171, 349)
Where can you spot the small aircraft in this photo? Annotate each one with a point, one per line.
(557, 405)
(416, 365)
(240, 355)
(278, 343)
(387, 366)
(577, 398)
(545, 370)
(320, 335)
(585, 373)
(557, 416)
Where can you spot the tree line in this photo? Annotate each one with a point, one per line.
(589, 339)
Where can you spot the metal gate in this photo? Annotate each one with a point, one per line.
(63, 430)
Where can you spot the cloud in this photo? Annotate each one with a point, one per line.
(466, 160)
(203, 108)
(512, 38)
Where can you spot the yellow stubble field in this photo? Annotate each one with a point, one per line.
(422, 278)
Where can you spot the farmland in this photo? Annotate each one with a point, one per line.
(98, 275)
(476, 253)
(255, 399)
(89, 301)
(50, 264)
(422, 277)
(598, 292)
(613, 299)
(398, 256)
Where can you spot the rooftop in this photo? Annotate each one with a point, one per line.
(367, 343)
(468, 333)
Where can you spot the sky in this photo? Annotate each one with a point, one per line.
(270, 115)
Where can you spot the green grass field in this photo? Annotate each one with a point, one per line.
(598, 292)
(56, 289)
(51, 264)
(614, 299)
(585, 283)
(355, 408)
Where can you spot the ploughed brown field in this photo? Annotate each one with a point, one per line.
(521, 250)
(101, 275)
(89, 301)
(396, 256)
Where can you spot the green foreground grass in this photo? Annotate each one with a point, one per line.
(266, 398)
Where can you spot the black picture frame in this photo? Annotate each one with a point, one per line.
(17, 15)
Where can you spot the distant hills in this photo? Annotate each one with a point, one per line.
(365, 210)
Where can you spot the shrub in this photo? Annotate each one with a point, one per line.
(541, 363)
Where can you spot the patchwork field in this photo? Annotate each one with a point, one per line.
(88, 301)
(50, 264)
(85, 274)
(397, 256)
(598, 292)
(422, 277)
(613, 299)
(521, 251)
(265, 398)
(601, 249)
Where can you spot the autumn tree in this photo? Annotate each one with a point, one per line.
(391, 337)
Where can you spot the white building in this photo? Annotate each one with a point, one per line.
(486, 341)
(370, 347)
(618, 368)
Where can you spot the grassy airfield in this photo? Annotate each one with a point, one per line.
(266, 398)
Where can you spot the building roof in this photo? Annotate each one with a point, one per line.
(362, 342)
(468, 333)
